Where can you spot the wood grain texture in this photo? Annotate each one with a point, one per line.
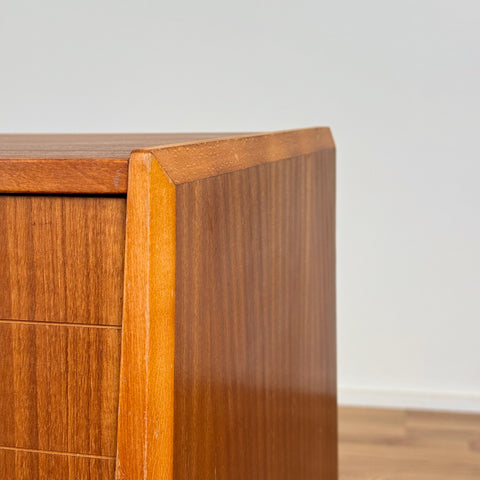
(59, 388)
(403, 445)
(252, 240)
(198, 160)
(62, 259)
(79, 176)
(90, 145)
(255, 376)
(23, 465)
(75, 163)
(228, 336)
(145, 429)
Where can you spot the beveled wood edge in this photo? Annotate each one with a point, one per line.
(64, 176)
(188, 162)
(145, 420)
(182, 162)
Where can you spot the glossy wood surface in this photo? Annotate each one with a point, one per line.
(404, 445)
(23, 465)
(60, 330)
(62, 259)
(76, 163)
(79, 176)
(59, 388)
(145, 428)
(188, 330)
(254, 390)
(90, 145)
(208, 158)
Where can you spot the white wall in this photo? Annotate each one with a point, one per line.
(398, 82)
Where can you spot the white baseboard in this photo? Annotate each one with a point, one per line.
(412, 399)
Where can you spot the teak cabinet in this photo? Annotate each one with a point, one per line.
(168, 312)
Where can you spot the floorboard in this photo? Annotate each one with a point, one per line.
(377, 444)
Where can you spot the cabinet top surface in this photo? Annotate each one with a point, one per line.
(98, 163)
(96, 145)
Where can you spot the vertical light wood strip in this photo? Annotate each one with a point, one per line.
(145, 428)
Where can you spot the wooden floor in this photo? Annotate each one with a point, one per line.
(399, 445)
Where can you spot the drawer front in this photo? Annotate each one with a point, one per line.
(61, 290)
(21, 465)
(59, 388)
(61, 259)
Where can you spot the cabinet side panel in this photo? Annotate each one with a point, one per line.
(255, 356)
(61, 259)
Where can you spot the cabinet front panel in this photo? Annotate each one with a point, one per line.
(61, 259)
(61, 289)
